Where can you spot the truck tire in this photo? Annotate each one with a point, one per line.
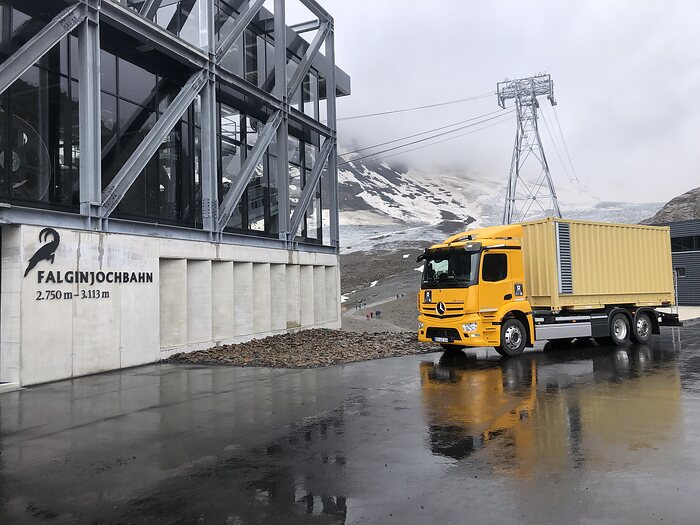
(641, 331)
(619, 329)
(513, 338)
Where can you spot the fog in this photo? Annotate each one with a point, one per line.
(626, 76)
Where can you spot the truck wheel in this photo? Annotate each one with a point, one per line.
(619, 329)
(641, 332)
(513, 338)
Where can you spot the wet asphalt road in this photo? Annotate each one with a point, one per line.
(580, 435)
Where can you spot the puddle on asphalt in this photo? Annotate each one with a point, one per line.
(548, 411)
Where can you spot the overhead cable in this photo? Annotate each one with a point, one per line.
(563, 140)
(416, 108)
(422, 133)
(556, 150)
(428, 138)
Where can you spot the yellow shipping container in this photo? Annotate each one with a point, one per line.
(586, 265)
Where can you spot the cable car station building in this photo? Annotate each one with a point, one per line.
(168, 180)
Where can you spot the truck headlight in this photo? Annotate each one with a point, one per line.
(469, 327)
(420, 325)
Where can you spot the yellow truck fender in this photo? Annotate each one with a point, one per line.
(520, 310)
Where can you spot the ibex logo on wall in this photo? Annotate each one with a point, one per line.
(47, 252)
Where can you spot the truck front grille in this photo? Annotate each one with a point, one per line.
(450, 333)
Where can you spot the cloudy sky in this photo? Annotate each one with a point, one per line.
(627, 82)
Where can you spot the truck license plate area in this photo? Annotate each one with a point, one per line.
(442, 340)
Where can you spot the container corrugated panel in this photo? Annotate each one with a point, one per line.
(610, 264)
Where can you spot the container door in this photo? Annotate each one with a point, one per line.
(496, 282)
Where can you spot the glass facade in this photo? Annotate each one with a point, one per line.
(133, 98)
(39, 143)
(39, 125)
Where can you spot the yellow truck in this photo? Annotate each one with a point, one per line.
(552, 279)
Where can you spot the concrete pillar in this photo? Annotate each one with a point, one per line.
(332, 297)
(199, 301)
(278, 296)
(173, 302)
(10, 300)
(320, 314)
(262, 311)
(306, 295)
(293, 297)
(222, 300)
(243, 298)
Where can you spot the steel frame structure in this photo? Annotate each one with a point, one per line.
(97, 203)
(521, 195)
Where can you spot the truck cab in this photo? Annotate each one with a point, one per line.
(471, 283)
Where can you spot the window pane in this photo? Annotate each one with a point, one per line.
(230, 123)
(136, 84)
(108, 72)
(251, 58)
(168, 176)
(495, 267)
(311, 95)
(233, 59)
(269, 81)
(272, 225)
(39, 151)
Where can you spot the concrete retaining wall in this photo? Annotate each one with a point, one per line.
(107, 301)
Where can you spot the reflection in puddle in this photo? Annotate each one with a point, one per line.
(570, 408)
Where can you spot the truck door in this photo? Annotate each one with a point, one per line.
(495, 281)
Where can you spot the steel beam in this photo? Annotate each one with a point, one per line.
(244, 18)
(280, 91)
(305, 27)
(208, 143)
(27, 55)
(308, 58)
(235, 192)
(114, 193)
(89, 116)
(310, 122)
(331, 117)
(316, 9)
(10, 214)
(152, 35)
(310, 187)
(248, 89)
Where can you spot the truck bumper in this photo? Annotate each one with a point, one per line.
(432, 330)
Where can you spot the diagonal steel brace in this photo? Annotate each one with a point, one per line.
(245, 18)
(305, 64)
(149, 8)
(235, 192)
(27, 55)
(114, 193)
(310, 187)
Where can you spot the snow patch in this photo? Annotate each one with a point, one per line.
(419, 269)
(406, 255)
(373, 284)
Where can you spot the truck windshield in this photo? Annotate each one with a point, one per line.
(450, 270)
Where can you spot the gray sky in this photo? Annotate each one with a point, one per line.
(626, 73)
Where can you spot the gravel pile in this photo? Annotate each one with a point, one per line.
(310, 349)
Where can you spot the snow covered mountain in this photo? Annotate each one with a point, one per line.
(380, 204)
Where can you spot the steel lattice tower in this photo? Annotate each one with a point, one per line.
(538, 188)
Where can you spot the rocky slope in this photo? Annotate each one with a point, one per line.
(682, 208)
(380, 195)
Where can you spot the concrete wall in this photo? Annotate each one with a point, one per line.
(106, 301)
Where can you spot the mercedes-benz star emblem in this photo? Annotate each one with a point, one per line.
(440, 308)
